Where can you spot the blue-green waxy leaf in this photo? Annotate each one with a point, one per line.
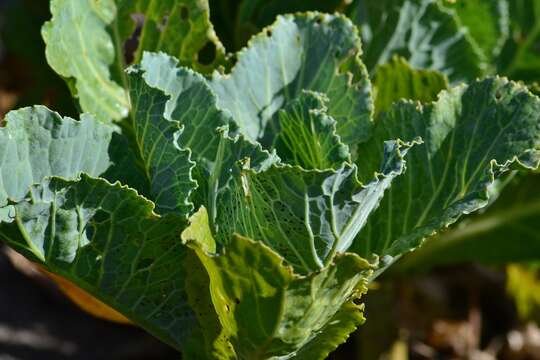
(302, 52)
(422, 31)
(85, 43)
(191, 103)
(307, 135)
(106, 239)
(79, 47)
(472, 135)
(306, 216)
(167, 166)
(204, 128)
(37, 142)
(506, 232)
(266, 311)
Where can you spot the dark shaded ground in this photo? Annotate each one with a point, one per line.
(36, 322)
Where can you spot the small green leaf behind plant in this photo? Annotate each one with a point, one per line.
(397, 80)
(423, 32)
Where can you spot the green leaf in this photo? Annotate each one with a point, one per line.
(423, 32)
(167, 166)
(306, 216)
(236, 21)
(397, 80)
(523, 285)
(181, 28)
(307, 135)
(506, 232)
(519, 58)
(208, 340)
(265, 309)
(204, 128)
(36, 143)
(86, 41)
(302, 52)
(337, 330)
(106, 239)
(125, 166)
(79, 48)
(472, 135)
(253, 15)
(486, 20)
(190, 102)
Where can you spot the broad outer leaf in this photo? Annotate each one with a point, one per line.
(302, 52)
(421, 31)
(79, 47)
(106, 239)
(306, 216)
(167, 166)
(486, 20)
(307, 135)
(472, 135)
(397, 80)
(506, 232)
(265, 309)
(36, 143)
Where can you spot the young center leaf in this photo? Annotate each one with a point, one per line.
(307, 135)
(306, 216)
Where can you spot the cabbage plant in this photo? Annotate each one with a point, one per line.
(239, 208)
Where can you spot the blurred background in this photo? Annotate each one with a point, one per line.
(418, 311)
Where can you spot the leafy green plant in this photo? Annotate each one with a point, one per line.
(239, 209)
